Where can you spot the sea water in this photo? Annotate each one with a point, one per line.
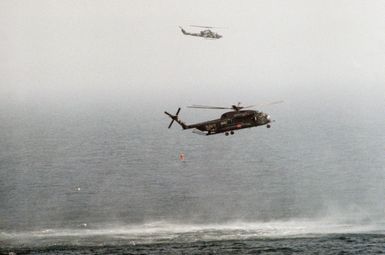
(111, 181)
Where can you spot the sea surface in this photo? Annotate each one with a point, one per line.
(110, 181)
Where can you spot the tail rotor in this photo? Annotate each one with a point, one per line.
(173, 117)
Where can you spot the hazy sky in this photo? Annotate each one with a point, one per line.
(68, 52)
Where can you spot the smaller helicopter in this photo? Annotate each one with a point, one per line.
(207, 34)
(228, 122)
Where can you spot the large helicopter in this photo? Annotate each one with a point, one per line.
(228, 122)
(207, 34)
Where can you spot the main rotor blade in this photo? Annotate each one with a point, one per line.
(207, 26)
(250, 106)
(264, 104)
(274, 102)
(207, 107)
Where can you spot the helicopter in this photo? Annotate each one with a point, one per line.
(228, 122)
(207, 34)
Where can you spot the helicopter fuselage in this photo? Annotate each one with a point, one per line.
(207, 34)
(233, 120)
(228, 122)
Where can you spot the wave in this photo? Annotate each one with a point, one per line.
(161, 231)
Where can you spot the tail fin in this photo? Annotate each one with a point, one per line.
(175, 118)
(183, 31)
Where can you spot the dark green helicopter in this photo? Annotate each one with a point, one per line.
(228, 122)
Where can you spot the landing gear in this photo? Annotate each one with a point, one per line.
(232, 132)
(268, 126)
(227, 133)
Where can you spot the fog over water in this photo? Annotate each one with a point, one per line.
(85, 145)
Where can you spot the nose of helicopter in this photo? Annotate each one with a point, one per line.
(268, 118)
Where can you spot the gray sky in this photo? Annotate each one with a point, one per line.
(68, 52)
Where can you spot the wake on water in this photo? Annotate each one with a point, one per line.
(166, 232)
